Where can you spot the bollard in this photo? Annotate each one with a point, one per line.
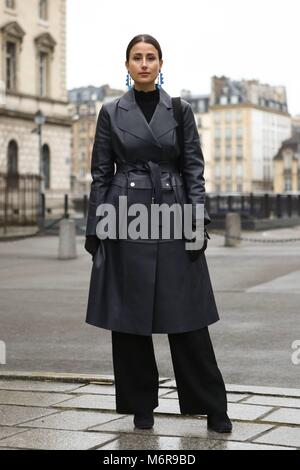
(67, 239)
(232, 228)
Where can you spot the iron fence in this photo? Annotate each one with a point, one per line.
(19, 199)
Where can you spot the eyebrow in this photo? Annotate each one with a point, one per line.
(148, 53)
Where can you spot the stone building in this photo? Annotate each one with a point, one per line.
(287, 165)
(33, 78)
(249, 121)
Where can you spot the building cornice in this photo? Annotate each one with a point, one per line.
(53, 120)
(39, 99)
(225, 107)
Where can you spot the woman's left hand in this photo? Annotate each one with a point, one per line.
(194, 254)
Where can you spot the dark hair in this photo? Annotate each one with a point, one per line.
(143, 38)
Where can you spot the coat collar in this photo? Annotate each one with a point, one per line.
(131, 119)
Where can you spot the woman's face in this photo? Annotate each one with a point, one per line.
(144, 58)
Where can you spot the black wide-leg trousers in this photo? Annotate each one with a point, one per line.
(200, 385)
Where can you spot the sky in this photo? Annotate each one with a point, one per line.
(241, 39)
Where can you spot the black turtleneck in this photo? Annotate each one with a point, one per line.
(147, 101)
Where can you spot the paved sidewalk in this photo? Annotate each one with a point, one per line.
(67, 411)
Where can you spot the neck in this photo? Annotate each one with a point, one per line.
(145, 88)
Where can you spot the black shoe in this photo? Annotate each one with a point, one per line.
(143, 420)
(219, 422)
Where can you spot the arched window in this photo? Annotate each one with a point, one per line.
(46, 165)
(12, 164)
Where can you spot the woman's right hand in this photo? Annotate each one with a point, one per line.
(92, 243)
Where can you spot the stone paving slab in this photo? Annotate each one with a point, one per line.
(11, 415)
(9, 431)
(8, 397)
(283, 435)
(49, 439)
(72, 420)
(247, 412)
(91, 402)
(284, 415)
(273, 401)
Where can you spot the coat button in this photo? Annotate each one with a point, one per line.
(132, 184)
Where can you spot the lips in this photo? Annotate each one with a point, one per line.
(144, 73)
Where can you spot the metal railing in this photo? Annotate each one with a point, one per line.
(259, 206)
(19, 199)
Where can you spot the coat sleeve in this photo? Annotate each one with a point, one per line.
(193, 163)
(102, 169)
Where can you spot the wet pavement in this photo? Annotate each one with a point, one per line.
(59, 411)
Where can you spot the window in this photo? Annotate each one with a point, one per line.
(228, 170)
(239, 116)
(217, 117)
(46, 166)
(12, 164)
(11, 70)
(43, 69)
(12, 38)
(239, 151)
(45, 45)
(217, 152)
(239, 187)
(223, 100)
(239, 132)
(287, 184)
(217, 132)
(228, 116)
(228, 132)
(287, 161)
(217, 170)
(43, 10)
(11, 4)
(228, 151)
(239, 170)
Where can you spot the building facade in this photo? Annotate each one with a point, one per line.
(85, 106)
(249, 121)
(33, 78)
(200, 107)
(287, 165)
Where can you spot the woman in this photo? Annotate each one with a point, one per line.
(143, 285)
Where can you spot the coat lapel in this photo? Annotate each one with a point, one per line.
(131, 119)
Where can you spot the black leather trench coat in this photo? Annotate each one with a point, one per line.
(144, 286)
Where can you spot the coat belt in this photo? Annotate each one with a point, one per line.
(155, 170)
